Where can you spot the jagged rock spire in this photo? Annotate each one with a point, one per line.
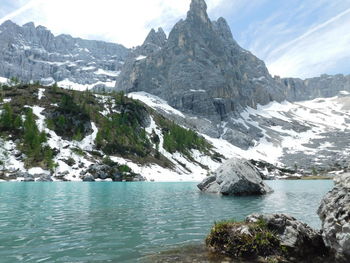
(157, 38)
(198, 9)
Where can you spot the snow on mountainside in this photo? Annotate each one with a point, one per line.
(77, 126)
(304, 134)
(35, 54)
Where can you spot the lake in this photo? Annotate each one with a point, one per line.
(124, 222)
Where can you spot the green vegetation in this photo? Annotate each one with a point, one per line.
(31, 140)
(179, 139)
(244, 240)
(69, 119)
(123, 133)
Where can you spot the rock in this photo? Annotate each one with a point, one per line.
(334, 213)
(268, 238)
(27, 177)
(300, 239)
(235, 177)
(101, 171)
(88, 178)
(44, 178)
(138, 178)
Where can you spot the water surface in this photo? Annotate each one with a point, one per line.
(123, 222)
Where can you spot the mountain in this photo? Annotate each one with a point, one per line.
(199, 78)
(325, 86)
(35, 54)
(203, 72)
(200, 69)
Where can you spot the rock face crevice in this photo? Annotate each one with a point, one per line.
(335, 216)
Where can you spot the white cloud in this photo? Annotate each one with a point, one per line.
(27, 6)
(122, 21)
(314, 52)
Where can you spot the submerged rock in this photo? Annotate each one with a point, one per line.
(335, 216)
(235, 177)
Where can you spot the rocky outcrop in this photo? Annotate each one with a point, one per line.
(335, 215)
(324, 86)
(297, 237)
(109, 171)
(268, 238)
(235, 177)
(35, 54)
(44, 178)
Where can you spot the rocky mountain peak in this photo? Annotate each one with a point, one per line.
(29, 25)
(223, 29)
(8, 24)
(198, 10)
(157, 38)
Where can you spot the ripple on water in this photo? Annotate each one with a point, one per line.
(121, 222)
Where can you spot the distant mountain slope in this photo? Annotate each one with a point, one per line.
(325, 86)
(35, 54)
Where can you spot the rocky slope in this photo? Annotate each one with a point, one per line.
(49, 133)
(35, 54)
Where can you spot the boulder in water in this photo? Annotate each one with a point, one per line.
(235, 177)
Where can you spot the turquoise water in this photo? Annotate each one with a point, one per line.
(123, 222)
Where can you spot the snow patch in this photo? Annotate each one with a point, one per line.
(155, 102)
(140, 57)
(3, 80)
(107, 72)
(41, 93)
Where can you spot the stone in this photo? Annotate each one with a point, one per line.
(88, 178)
(300, 239)
(27, 177)
(138, 178)
(235, 177)
(334, 213)
(268, 238)
(44, 178)
(101, 171)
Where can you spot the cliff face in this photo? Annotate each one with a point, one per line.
(200, 69)
(34, 53)
(325, 86)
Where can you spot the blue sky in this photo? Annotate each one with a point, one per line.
(296, 38)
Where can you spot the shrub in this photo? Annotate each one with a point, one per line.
(243, 240)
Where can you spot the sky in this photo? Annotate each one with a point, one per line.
(295, 38)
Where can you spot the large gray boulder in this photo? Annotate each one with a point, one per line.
(335, 215)
(235, 177)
